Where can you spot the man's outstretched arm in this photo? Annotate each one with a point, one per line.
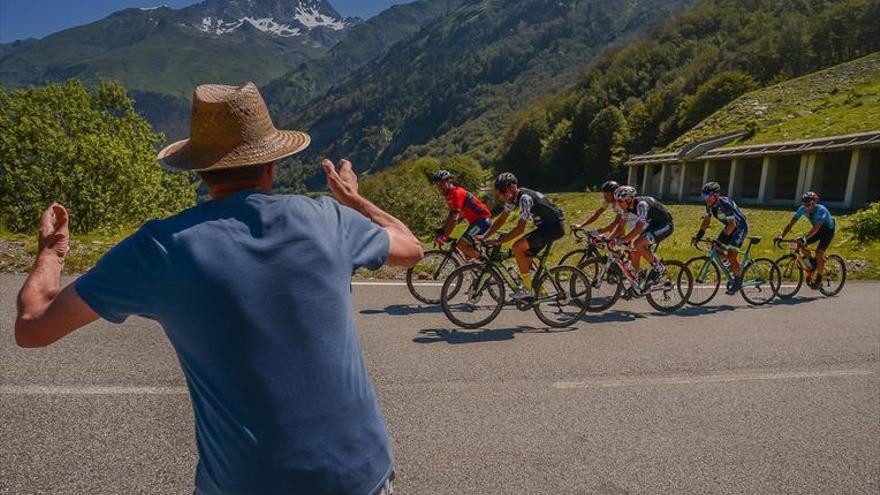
(46, 312)
(404, 248)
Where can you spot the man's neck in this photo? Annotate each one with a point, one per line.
(221, 192)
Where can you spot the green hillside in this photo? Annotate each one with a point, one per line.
(454, 86)
(645, 95)
(363, 43)
(844, 99)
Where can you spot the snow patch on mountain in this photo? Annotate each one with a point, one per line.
(309, 18)
(312, 18)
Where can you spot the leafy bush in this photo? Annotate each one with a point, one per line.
(87, 149)
(406, 191)
(865, 225)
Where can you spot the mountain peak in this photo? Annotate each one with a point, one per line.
(284, 18)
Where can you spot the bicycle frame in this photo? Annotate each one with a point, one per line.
(491, 262)
(795, 249)
(715, 257)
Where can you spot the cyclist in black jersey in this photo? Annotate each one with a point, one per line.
(653, 225)
(532, 205)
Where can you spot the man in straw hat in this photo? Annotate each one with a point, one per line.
(253, 291)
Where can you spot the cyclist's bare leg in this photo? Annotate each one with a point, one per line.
(467, 250)
(523, 260)
(643, 248)
(733, 257)
(635, 259)
(820, 264)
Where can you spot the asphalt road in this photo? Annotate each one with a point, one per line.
(726, 399)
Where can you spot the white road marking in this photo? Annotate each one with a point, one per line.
(692, 380)
(89, 390)
(393, 284)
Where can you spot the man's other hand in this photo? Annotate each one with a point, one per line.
(53, 236)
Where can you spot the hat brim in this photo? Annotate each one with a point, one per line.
(187, 155)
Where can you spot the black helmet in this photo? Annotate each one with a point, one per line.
(441, 176)
(711, 188)
(808, 197)
(610, 186)
(505, 180)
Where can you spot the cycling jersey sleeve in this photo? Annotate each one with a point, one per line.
(642, 211)
(455, 199)
(509, 207)
(821, 215)
(525, 207)
(798, 214)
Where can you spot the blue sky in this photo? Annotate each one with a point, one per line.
(37, 18)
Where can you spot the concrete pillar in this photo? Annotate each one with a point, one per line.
(682, 181)
(664, 177)
(768, 180)
(708, 171)
(734, 185)
(632, 175)
(646, 180)
(805, 175)
(857, 182)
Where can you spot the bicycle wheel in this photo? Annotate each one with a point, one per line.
(425, 279)
(675, 290)
(467, 299)
(574, 258)
(564, 295)
(604, 290)
(834, 277)
(792, 277)
(761, 281)
(707, 280)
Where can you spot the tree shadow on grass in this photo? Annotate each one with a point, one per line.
(433, 335)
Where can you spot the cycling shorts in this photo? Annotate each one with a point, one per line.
(479, 227)
(823, 237)
(657, 232)
(539, 238)
(735, 239)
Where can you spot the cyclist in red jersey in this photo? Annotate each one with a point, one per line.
(462, 204)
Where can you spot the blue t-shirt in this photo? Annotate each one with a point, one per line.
(254, 293)
(820, 215)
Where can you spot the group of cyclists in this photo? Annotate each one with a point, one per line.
(640, 223)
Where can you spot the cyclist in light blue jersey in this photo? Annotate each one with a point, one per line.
(822, 232)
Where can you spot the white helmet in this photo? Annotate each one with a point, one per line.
(625, 192)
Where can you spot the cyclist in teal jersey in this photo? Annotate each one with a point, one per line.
(822, 232)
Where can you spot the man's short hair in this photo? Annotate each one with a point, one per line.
(250, 174)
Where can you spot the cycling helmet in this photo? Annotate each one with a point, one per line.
(711, 188)
(441, 176)
(610, 186)
(625, 192)
(505, 180)
(809, 197)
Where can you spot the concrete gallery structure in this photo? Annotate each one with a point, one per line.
(844, 170)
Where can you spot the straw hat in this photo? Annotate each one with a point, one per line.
(230, 127)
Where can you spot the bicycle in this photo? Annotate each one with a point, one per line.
(761, 276)
(794, 265)
(425, 279)
(474, 294)
(613, 277)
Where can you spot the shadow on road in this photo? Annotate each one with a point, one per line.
(432, 335)
(795, 300)
(403, 310)
(612, 317)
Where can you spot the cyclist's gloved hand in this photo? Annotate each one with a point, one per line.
(441, 239)
(802, 241)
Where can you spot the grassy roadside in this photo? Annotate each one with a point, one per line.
(17, 251)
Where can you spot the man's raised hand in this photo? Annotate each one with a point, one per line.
(54, 233)
(342, 182)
